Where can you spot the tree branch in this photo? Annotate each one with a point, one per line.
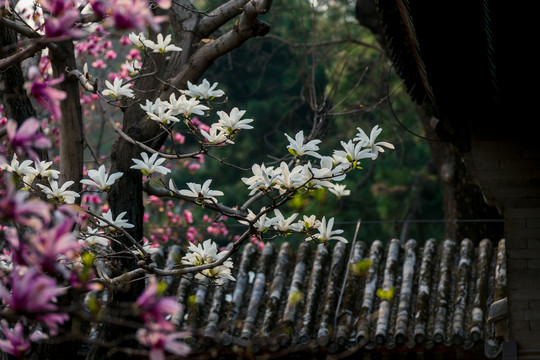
(248, 26)
(219, 16)
(20, 28)
(26, 53)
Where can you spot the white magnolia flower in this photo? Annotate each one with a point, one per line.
(137, 39)
(310, 222)
(21, 169)
(216, 135)
(326, 233)
(162, 45)
(152, 107)
(133, 67)
(219, 274)
(207, 253)
(369, 141)
(262, 224)
(262, 179)
(203, 90)
(186, 106)
(231, 122)
(100, 178)
(285, 225)
(289, 179)
(326, 173)
(352, 152)
(118, 222)
(28, 180)
(162, 116)
(339, 190)
(117, 90)
(298, 148)
(42, 169)
(201, 192)
(151, 165)
(147, 247)
(92, 237)
(61, 194)
(202, 254)
(193, 106)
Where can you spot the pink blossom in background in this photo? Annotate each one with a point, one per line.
(110, 54)
(134, 54)
(200, 158)
(155, 200)
(193, 167)
(257, 241)
(203, 126)
(192, 235)
(188, 216)
(179, 138)
(43, 91)
(124, 40)
(91, 199)
(99, 64)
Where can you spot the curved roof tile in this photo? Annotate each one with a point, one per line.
(281, 300)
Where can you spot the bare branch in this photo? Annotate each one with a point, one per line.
(248, 26)
(26, 53)
(22, 29)
(219, 17)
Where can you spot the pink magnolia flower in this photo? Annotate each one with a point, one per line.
(33, 294)
(133, 14)
(15, 342)
(54, 244)
(45, 250)
(154, 309)
(159, 342)
(56, 7)
(27, 136)
(44, 92)
(100, 7)
(15, 205)
(61, 27)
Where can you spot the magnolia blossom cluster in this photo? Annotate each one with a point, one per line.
(308, 176)
(207, 253)
(57, 249)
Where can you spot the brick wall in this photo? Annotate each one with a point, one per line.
(509, 174)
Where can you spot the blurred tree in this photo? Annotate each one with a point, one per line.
(461, 199)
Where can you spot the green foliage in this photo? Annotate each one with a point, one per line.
(293, 75)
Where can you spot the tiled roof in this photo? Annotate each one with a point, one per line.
(285, 300)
